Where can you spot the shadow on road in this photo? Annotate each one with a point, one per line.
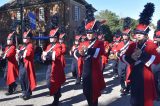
(111, 83)
(40, 87)
(7, 99)
(41, 94)
(73, 100)
(123, 101)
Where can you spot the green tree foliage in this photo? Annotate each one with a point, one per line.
(114, 22)
(112, 19)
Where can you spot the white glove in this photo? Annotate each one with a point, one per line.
(24, 54)
(54, 55)
(158, 50)
(44, 54)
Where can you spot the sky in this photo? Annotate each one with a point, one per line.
(126, 8)
(123, 8)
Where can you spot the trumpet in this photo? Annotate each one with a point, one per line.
(44, 53)
(19, 55)
(5, 54)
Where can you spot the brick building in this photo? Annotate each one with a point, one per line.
(71, 13)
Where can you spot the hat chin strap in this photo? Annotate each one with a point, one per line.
(142, 41)
(91, 40)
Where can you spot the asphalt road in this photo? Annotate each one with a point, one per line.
(71, 94)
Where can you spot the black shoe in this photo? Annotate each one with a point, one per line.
(14, 88)
(55, 102)
(8, 93)
(21, 96)
(31, 93)
(77, 82)
(122, 91)
(74, 74)
(26, 97)
(126, 92)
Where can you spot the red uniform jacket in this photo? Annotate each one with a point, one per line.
(114, 47)
(119, 46)
(148, 85)
(105, 56)
(98, 83)
(124, 47)
(12, 69)
(64, 49)
(29, 65)
(57, 73)
(79, 60)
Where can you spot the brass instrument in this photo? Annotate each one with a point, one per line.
(1, 52)
(107, 49)
(5, 53)
(19, 54)
(44, 53)
(136, 54)
(112, 56)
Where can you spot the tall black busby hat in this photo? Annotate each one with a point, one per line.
(89, 13)
(54, 21)
(27, 23)
(81, 30)
(62, 32)
(117, 35)
(145, 18)
(126, 26)
(157, 32)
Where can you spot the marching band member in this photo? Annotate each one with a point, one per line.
(64, 48)
(101, 37)
(143, 57)
(157, 74)
(74, 65)
(11, 69)
(124, 69)
(83, 38)
(55, 75)
(89, 53)
(116, 46)
(26, 66)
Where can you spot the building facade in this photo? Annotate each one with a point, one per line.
(71, 13)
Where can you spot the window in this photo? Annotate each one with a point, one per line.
(41, 14)
(18, 15)
(76, 13)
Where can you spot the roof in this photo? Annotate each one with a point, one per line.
(84, 2)
(13, 4)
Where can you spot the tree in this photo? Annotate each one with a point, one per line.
(112, 19)
(114, 22)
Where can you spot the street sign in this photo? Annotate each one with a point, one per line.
(32, 19)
